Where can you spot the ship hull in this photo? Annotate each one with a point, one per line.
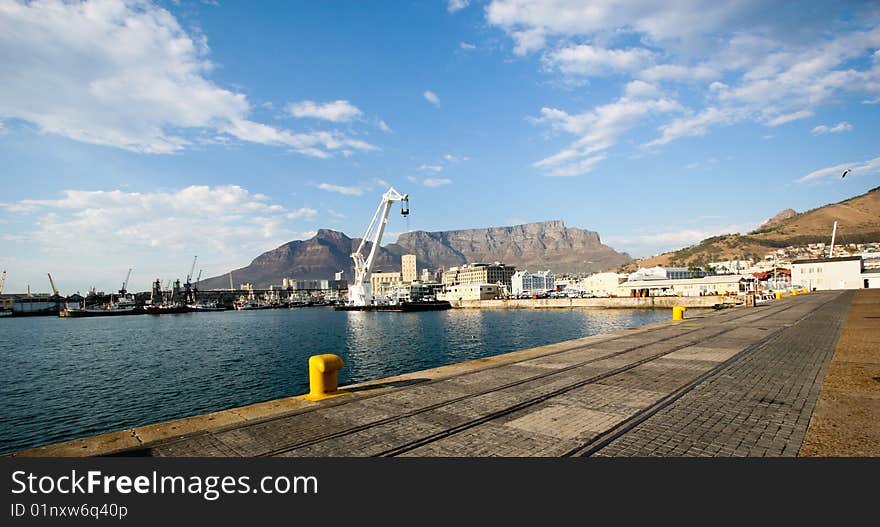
(407, 307)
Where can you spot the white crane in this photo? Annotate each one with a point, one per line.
(192, 270)
(360, 292)
(124, 289)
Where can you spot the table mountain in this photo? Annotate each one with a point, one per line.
(532, 246)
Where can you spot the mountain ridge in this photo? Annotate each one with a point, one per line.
(858, 220)
(533, 246)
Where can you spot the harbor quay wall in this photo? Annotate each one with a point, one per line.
(659, 302)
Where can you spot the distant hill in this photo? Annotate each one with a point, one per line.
(533, 246)
(858, 221)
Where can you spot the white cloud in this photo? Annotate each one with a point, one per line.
(740, 63)
(657, 20)
(789, 117)
(383, 126)
(432, 98)
(125, 74)
(336, 111)
(658, 242)
(693, 125)
(156, 232)
(304, 212)
(454, 159)
(456, 5)
(638, 88)
(590, 60)
(872, 166)
(836, 129)
(466, 45)
(341, 189)
(433, 168)
(599, 130)
(436, 182)
(528, 41)
(677, 72)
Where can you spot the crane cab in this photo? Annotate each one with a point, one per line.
(404, 207)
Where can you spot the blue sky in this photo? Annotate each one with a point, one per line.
(138, 134)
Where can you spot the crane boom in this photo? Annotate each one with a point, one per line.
(192, 270)
(125, 284)
(52, 283)
(360, 292)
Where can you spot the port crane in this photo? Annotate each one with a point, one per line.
(124, 289)
(360, 292)
(52, 283)
(189, 295)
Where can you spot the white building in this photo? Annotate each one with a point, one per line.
(833, 273)
(730, 284)
(525, 282)
(602, 284)
(408, 268)
(459, 292)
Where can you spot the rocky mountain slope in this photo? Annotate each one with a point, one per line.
(858, 221)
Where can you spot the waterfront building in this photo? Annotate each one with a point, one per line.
(383, 282)
(426, 276)
(834, 273)
(731, 284)
(408, 267)
(479, 273)
(459, 292)
(523, 282)
(317, 285)
(679, 273)
(602, 284)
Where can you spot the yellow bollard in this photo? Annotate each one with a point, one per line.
(794, 292)
(778, 295)
(678, 312)
(323, 381)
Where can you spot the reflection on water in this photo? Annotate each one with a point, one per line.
(66, 378)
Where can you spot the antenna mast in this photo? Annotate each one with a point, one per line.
(833, 234)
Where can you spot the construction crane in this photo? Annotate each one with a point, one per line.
(360, 292)
(124, 289)
(52, 283)
(2, 281)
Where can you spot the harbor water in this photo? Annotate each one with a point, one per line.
(68, 378)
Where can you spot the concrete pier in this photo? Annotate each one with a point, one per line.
(737, 382)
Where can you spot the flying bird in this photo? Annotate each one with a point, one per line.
(845, 172)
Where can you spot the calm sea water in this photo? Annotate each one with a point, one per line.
(68, 378)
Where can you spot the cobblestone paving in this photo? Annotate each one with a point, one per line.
(559, 402)
(758, 406)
